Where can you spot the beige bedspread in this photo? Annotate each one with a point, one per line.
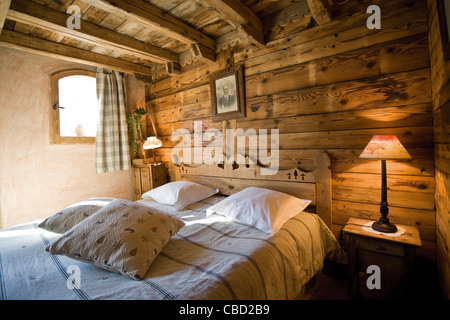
(209, 258)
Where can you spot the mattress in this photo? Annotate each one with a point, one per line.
(209, 258)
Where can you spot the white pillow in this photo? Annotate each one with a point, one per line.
(180, 194)
(262, 208)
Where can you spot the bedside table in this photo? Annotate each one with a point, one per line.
(147, 177)
(390, 258)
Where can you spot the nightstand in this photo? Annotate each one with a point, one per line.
(380, 259)
(147, 177)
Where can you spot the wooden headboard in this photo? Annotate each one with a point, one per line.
(314, 185)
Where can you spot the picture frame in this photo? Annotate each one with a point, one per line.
(228, 94)
(443, 12)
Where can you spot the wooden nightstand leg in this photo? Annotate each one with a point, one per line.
(352, 269)
(137, 190)
(408, 265)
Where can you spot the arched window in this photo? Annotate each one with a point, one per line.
(73, 113)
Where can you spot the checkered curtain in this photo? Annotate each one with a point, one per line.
(112, 150)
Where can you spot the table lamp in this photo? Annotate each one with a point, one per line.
(152, 143)
(384, 147)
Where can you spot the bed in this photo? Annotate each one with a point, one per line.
(207, 256)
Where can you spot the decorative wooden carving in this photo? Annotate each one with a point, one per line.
(293, 13)
(231, 178)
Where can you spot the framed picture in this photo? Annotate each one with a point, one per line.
(443, 11)
(227, 94)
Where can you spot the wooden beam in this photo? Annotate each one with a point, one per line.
(156, 19)
(233, 37)
(31, 13)
(173, 68)
(242, 18)
(4, 6)
(20, 41)
(159, 72)
(195, 53)
(320, 10)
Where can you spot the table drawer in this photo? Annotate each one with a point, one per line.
(380, 247)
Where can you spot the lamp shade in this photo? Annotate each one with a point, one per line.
(152, 143)
(385, 148)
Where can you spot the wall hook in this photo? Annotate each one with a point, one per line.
(55, 106)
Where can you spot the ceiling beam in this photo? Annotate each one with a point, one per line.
(156, 19)
(193, 54)
(247, 23)
(4, 6)
(24, 42)
(320, 10)
(31, 13)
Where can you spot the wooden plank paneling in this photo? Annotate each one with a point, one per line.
(394, 182)
(346, 139)
(410, 115)
(330, 88)
(346, 160)
(403, 199)
(298, 50)
(368, 93)
(392, 89)
(440, 79)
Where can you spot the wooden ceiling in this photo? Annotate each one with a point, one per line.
(147, 36)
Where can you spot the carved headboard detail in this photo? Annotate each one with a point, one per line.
(314, 185)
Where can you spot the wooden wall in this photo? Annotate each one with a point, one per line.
(332, 87)
(440, 79)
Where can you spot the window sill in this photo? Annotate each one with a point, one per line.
(72, 140)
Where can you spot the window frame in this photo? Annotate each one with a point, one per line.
(55, 134)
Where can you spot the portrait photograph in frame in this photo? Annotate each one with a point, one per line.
(227, 94)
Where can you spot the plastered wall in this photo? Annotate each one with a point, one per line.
(38, 178)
